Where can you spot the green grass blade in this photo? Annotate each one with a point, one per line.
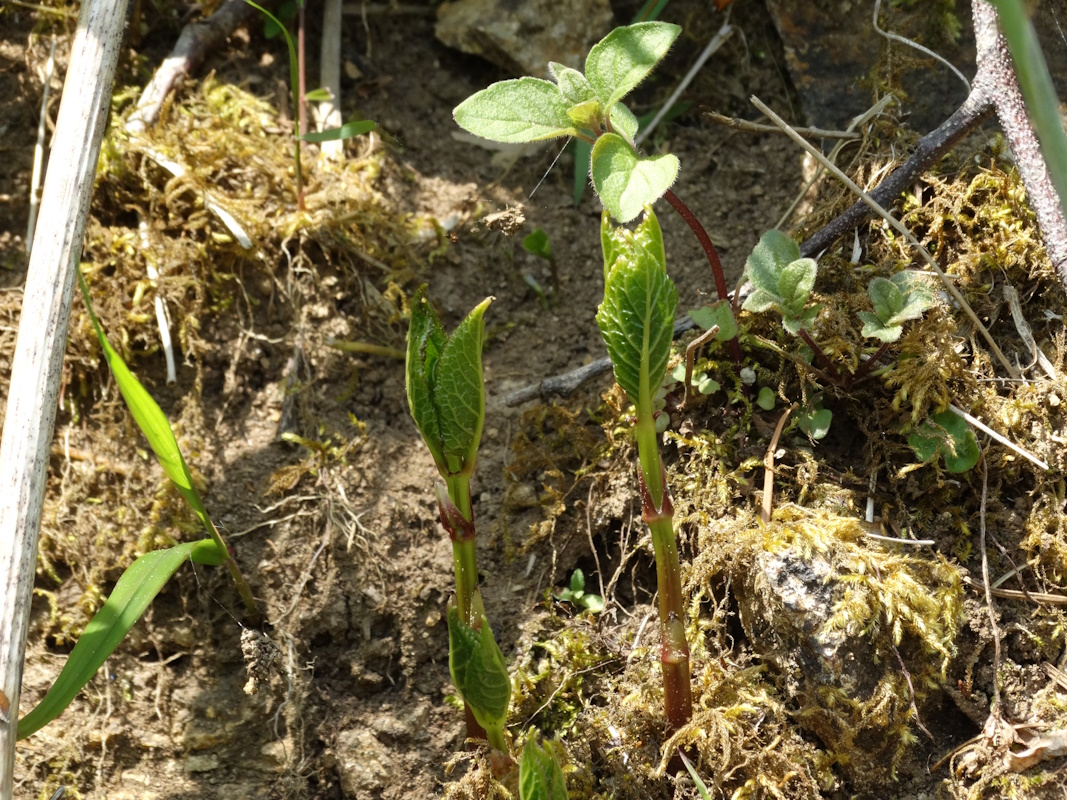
(137, 587)
(150, 419)
(346, 131)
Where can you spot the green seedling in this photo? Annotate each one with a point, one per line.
(701, 786)
(537, 244)
(897, 299)
(146, 576)
(782, 281)
(576, 594)
(815, 420)
(765, 398)
(947, 435)
(446, 396)
(540, 773)
(587, 106)
(636, 320)
(346, 131)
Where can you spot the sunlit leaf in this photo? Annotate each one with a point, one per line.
(948, 435)
(346, 131)
(478, 670)
(625, 182)
(522, 110)
(540, 774)
(136, 588)
(622, 59)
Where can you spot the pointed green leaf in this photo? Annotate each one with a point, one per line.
(137, 587)
(355, 127)
(626, 183)
(150, 419)
(636, 317)
(573, 86)
(613, 242)
(702, 788)
(796, 282)
(426, 339)
(718, 313)
(459, 391)
(540, 774)
(622, 59)
(771, 255)
(320, 95)
(478, 670)
(760, 301)
(886, 298)
(577, 581)
(874, 328)
(624, 122)
(522, 110)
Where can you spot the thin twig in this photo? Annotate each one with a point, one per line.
(900, 228)
(758, 127)
(592, 545)
(768, 465)
(989, 591)
(896, 37)
(989, 431)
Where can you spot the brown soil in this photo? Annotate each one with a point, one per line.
(340, 540)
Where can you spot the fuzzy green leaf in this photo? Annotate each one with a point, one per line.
(586, 116)
(718, 313)
(636, 317)
(356, 127)
(948, 435)
(626, 183)
(796, 282)
(426, 340)
(459, 392)
(150, 419)
(522, 110)
(573, 86)
(874, 328)
(760, 300)
(613, 242)
(136, 588)
(622, 59)
(478, 670)
(805, 318)
(771, 255)
(887, 299)
(624, 122)
(540, 775)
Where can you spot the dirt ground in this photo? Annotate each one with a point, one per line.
(313, 469)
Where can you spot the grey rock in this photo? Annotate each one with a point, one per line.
(361, 762)
(522, 36)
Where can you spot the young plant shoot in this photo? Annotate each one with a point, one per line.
(446, 397)
(588, 107)
(636, 319)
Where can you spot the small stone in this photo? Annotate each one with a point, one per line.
(361, 762)
(204, 763)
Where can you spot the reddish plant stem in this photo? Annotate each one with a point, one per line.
(821, 357)
(713, 259)
(868, 365)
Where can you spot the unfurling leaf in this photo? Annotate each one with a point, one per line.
(356, 127)
(522, 110)
(622, 59)
(540, 774)
(636, 317)
(625, 182)
(478, 669)
(446, 394)
(782, 280)
(136, 588)
(948, 435)
(573, 86)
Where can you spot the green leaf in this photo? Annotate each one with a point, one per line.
(760, 301)
(874, 328)
(522, 110)
(577, 581)
(805, 318)
(636, 317)
(536, 243)
(624, 122)
(318, 95)
(948, 435)
(586, 116)
(622, 59)
(796, 282)
(766, 398)
(887, 299)
(137, 587)
(355, 127)
(573, 86)
(540, 774)
(772, 254)
(150, 419)
(478, 670)
(815, 420)
(702, 788)
(582, 154)
(459, 392)
(625, 182)
(718, 313)
(426, 339)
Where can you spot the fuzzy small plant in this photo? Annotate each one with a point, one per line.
(446, 396)
(588, 107)
(636, 320)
